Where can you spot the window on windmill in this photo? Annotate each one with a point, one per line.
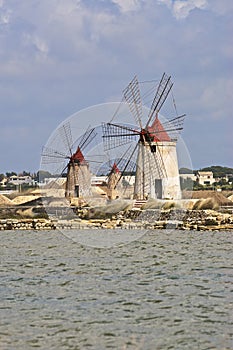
(207, 182)
(153, 148)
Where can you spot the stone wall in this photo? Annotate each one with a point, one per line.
(200, 220)
(27, 224)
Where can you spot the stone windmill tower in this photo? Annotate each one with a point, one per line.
(75, 165)
(113, 180)
(78, 176)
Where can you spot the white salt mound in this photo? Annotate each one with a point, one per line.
(4, 200)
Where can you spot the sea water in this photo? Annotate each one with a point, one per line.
(163, 290)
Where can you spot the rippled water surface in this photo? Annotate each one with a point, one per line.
(166, 290)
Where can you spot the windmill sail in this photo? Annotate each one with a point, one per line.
(116, 135)
(162, 92)
(133, 97)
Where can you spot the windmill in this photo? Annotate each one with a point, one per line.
(115, 183)
(74, 165)
(112, 180)
(156, 174)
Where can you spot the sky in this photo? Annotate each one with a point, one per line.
(58, 57)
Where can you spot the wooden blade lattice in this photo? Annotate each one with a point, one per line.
(66, 136)
(50, 155)
(174, 126)
(87, 138)
(133, 98)
(115, 135)
(161, 94)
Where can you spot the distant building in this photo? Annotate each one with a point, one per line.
(205, 178)
(19, 180)
(98, 180)
(3, 182)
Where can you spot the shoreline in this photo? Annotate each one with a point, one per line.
(199, 220)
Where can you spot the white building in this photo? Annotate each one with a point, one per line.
(205, 178)
(19, 180)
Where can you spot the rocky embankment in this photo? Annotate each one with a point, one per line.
(200, 220)
(27, 224)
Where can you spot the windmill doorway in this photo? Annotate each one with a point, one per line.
(76, 191)
(158, 188)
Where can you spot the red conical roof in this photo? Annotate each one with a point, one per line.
(158, 132)
(115, 169)
(78, 156)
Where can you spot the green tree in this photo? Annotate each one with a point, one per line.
(25, 173)
(11, 173)
(185, 171)
(218, 171)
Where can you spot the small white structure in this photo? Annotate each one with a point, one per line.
(205, 178)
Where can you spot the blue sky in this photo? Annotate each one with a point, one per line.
(58, 57)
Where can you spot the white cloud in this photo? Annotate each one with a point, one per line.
(66, 8)
(4, 18)
(4, 14)
(182, 8)
(165, 2)
(128, 5)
